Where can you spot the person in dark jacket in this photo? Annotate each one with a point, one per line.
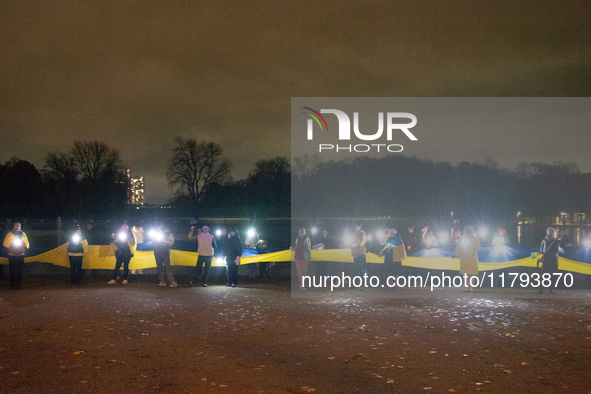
(549, 259)
(77, 246)
(91, 239)
(123, 240)
(262, 247)
(162, 240)
(327, 243)
(564, 239)
(233, 251)
(394, 252)
(411, 239)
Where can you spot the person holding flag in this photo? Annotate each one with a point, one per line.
(17, 243)
(124, 242)
(76, 249)
(162, 240)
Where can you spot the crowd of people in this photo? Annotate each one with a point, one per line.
(394, 246)
(228, 246)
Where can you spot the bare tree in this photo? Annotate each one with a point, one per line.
(306, 167)
(102, 182)
(60, 166)
(61, 182)
(194, 166)
(96, 160)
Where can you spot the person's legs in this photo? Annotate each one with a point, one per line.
(118, 263)
(360, 265)
(233, 274)
(79, 269)
(126, 268)
(198, 268)
(72, 269)
(12, 271)
(552, 281)
(302, 268)
(20, 266)
(387, 270)
(207, 260)
(321, 268)
(168, 268)
(299, 269)
(264, 271)
(75, 269)
(159, 266)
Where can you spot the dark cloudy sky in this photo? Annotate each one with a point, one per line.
(137, 74)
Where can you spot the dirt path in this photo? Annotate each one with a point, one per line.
(257, 339)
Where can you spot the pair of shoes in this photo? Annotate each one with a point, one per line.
(162, 284)
(124, 282)
(228, 284)
(173, 284)
(205, 285)
(112, 282)
(233, 285)
(302, 288)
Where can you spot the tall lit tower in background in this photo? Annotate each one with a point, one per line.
(135, 189)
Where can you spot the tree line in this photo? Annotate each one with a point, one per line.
(88, 177)
(199, 174)
(399, 186)
(89, 180)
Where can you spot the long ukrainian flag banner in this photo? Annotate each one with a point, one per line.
(103, 257)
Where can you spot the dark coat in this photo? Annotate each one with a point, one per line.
(550, 250)
(233, 249)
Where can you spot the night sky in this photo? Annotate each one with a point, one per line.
(136, 74)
